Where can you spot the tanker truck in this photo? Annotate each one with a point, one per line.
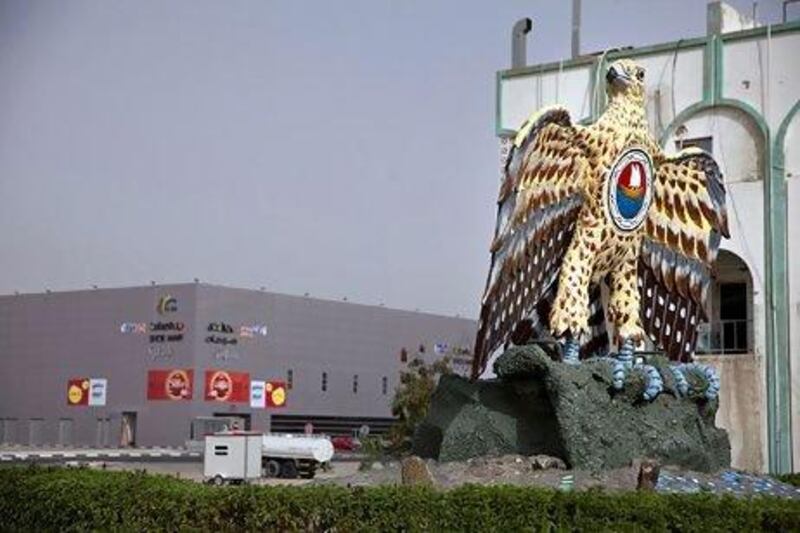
(288, 455)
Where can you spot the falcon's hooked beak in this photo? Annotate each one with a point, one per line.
(617, 77)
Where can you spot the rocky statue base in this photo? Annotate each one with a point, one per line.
(541, 406)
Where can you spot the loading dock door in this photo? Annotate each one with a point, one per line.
(65, 432)
(35, 431)
(10, 431)
(103, 430)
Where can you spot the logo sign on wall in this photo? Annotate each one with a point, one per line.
(160, 351)
(226, 386)
(253, 330)
(87, 391)
(167, 304)
(170, 384)
(276, 394)
(225, 354)
(258, 398)
(133, 327)
(78, 391)
(98, 388)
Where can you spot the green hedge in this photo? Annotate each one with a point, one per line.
(36, 499)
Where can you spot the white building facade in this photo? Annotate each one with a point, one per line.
(737, 95)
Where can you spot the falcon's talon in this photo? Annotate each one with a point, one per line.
(655, 383)
(619, 370)
(681, 385)
(705, 372)
(571, 352)
(623, 363)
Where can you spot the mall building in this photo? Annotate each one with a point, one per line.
(150, 366)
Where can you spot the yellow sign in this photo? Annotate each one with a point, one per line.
(278, 396)
(75, 394)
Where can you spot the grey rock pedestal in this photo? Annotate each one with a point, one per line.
(541, 406)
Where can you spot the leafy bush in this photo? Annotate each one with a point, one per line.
(36, 499)
(413, 396)
(791, 479)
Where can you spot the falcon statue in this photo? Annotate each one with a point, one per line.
(602, 204)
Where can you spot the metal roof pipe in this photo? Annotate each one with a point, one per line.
(785, 8)
(576, 28)
(519, 42)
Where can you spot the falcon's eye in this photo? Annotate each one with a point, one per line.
(640, 74)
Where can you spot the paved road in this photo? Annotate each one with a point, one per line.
(166, 461)
(97, 454)
(61, 455)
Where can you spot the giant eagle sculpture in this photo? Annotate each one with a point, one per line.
(582, 206)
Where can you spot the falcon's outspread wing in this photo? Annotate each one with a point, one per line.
(682, 236)
(537, 211)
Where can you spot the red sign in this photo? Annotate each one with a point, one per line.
(276, 394)
(227, 386)
(78, 391)
(171, 384)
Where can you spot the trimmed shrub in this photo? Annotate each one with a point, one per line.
(36, 499)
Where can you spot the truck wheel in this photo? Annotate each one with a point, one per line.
(218, 480)
(306, 469)
(288, 470)
(272, 468)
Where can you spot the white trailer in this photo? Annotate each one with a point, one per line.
(233, 456)
(288, 455)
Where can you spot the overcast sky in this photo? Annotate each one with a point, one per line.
(340, 148)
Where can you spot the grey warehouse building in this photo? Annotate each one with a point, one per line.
(142, 365)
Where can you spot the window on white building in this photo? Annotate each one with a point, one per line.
(704, 143)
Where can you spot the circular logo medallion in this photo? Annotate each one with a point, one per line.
(221, 386)
(629, 189)
(178, 385)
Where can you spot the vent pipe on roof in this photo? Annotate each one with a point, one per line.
(576, 28)
(785, 8)
(519, 42)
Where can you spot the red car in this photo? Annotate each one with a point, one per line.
(344, 443)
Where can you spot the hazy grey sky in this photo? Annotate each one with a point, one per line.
(341, 148)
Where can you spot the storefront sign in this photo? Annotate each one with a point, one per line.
(217, 339)
(157, 351)
(166, 338)
(98, 388)
(226, 354)
(78, 391)
(258, 394)
(133, 327)
(226, 386)
(170, 384)
(253, 330)
(167, 304)
(276, 394)
(220, 327)
(87, 391)
(167, 326)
